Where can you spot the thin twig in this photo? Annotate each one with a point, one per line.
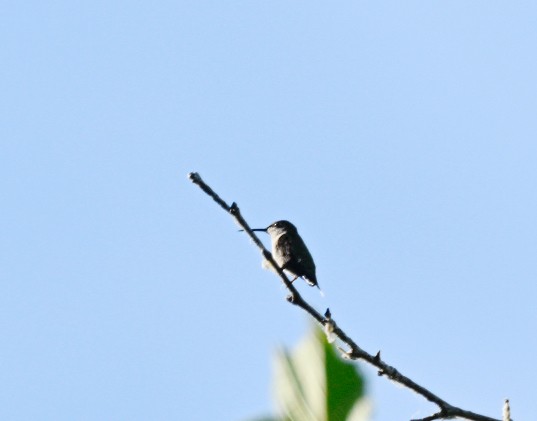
(447, 411)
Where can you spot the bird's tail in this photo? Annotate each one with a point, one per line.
(313, 283)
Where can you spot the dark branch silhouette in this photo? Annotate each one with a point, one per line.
(354, 352)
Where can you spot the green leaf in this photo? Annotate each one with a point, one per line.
(344, 385)
(313, 383)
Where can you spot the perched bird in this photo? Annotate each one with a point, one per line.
(290, 251)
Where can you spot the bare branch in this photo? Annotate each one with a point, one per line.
(447, 411)
(506, 411)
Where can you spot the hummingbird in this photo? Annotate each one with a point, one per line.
(290, 251)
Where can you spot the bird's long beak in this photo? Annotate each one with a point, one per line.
(257, 229)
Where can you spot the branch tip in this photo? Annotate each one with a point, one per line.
(194, 177)
(506, 411)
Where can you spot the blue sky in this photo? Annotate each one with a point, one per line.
(399, 137)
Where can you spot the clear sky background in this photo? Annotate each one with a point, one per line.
(400, 137)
